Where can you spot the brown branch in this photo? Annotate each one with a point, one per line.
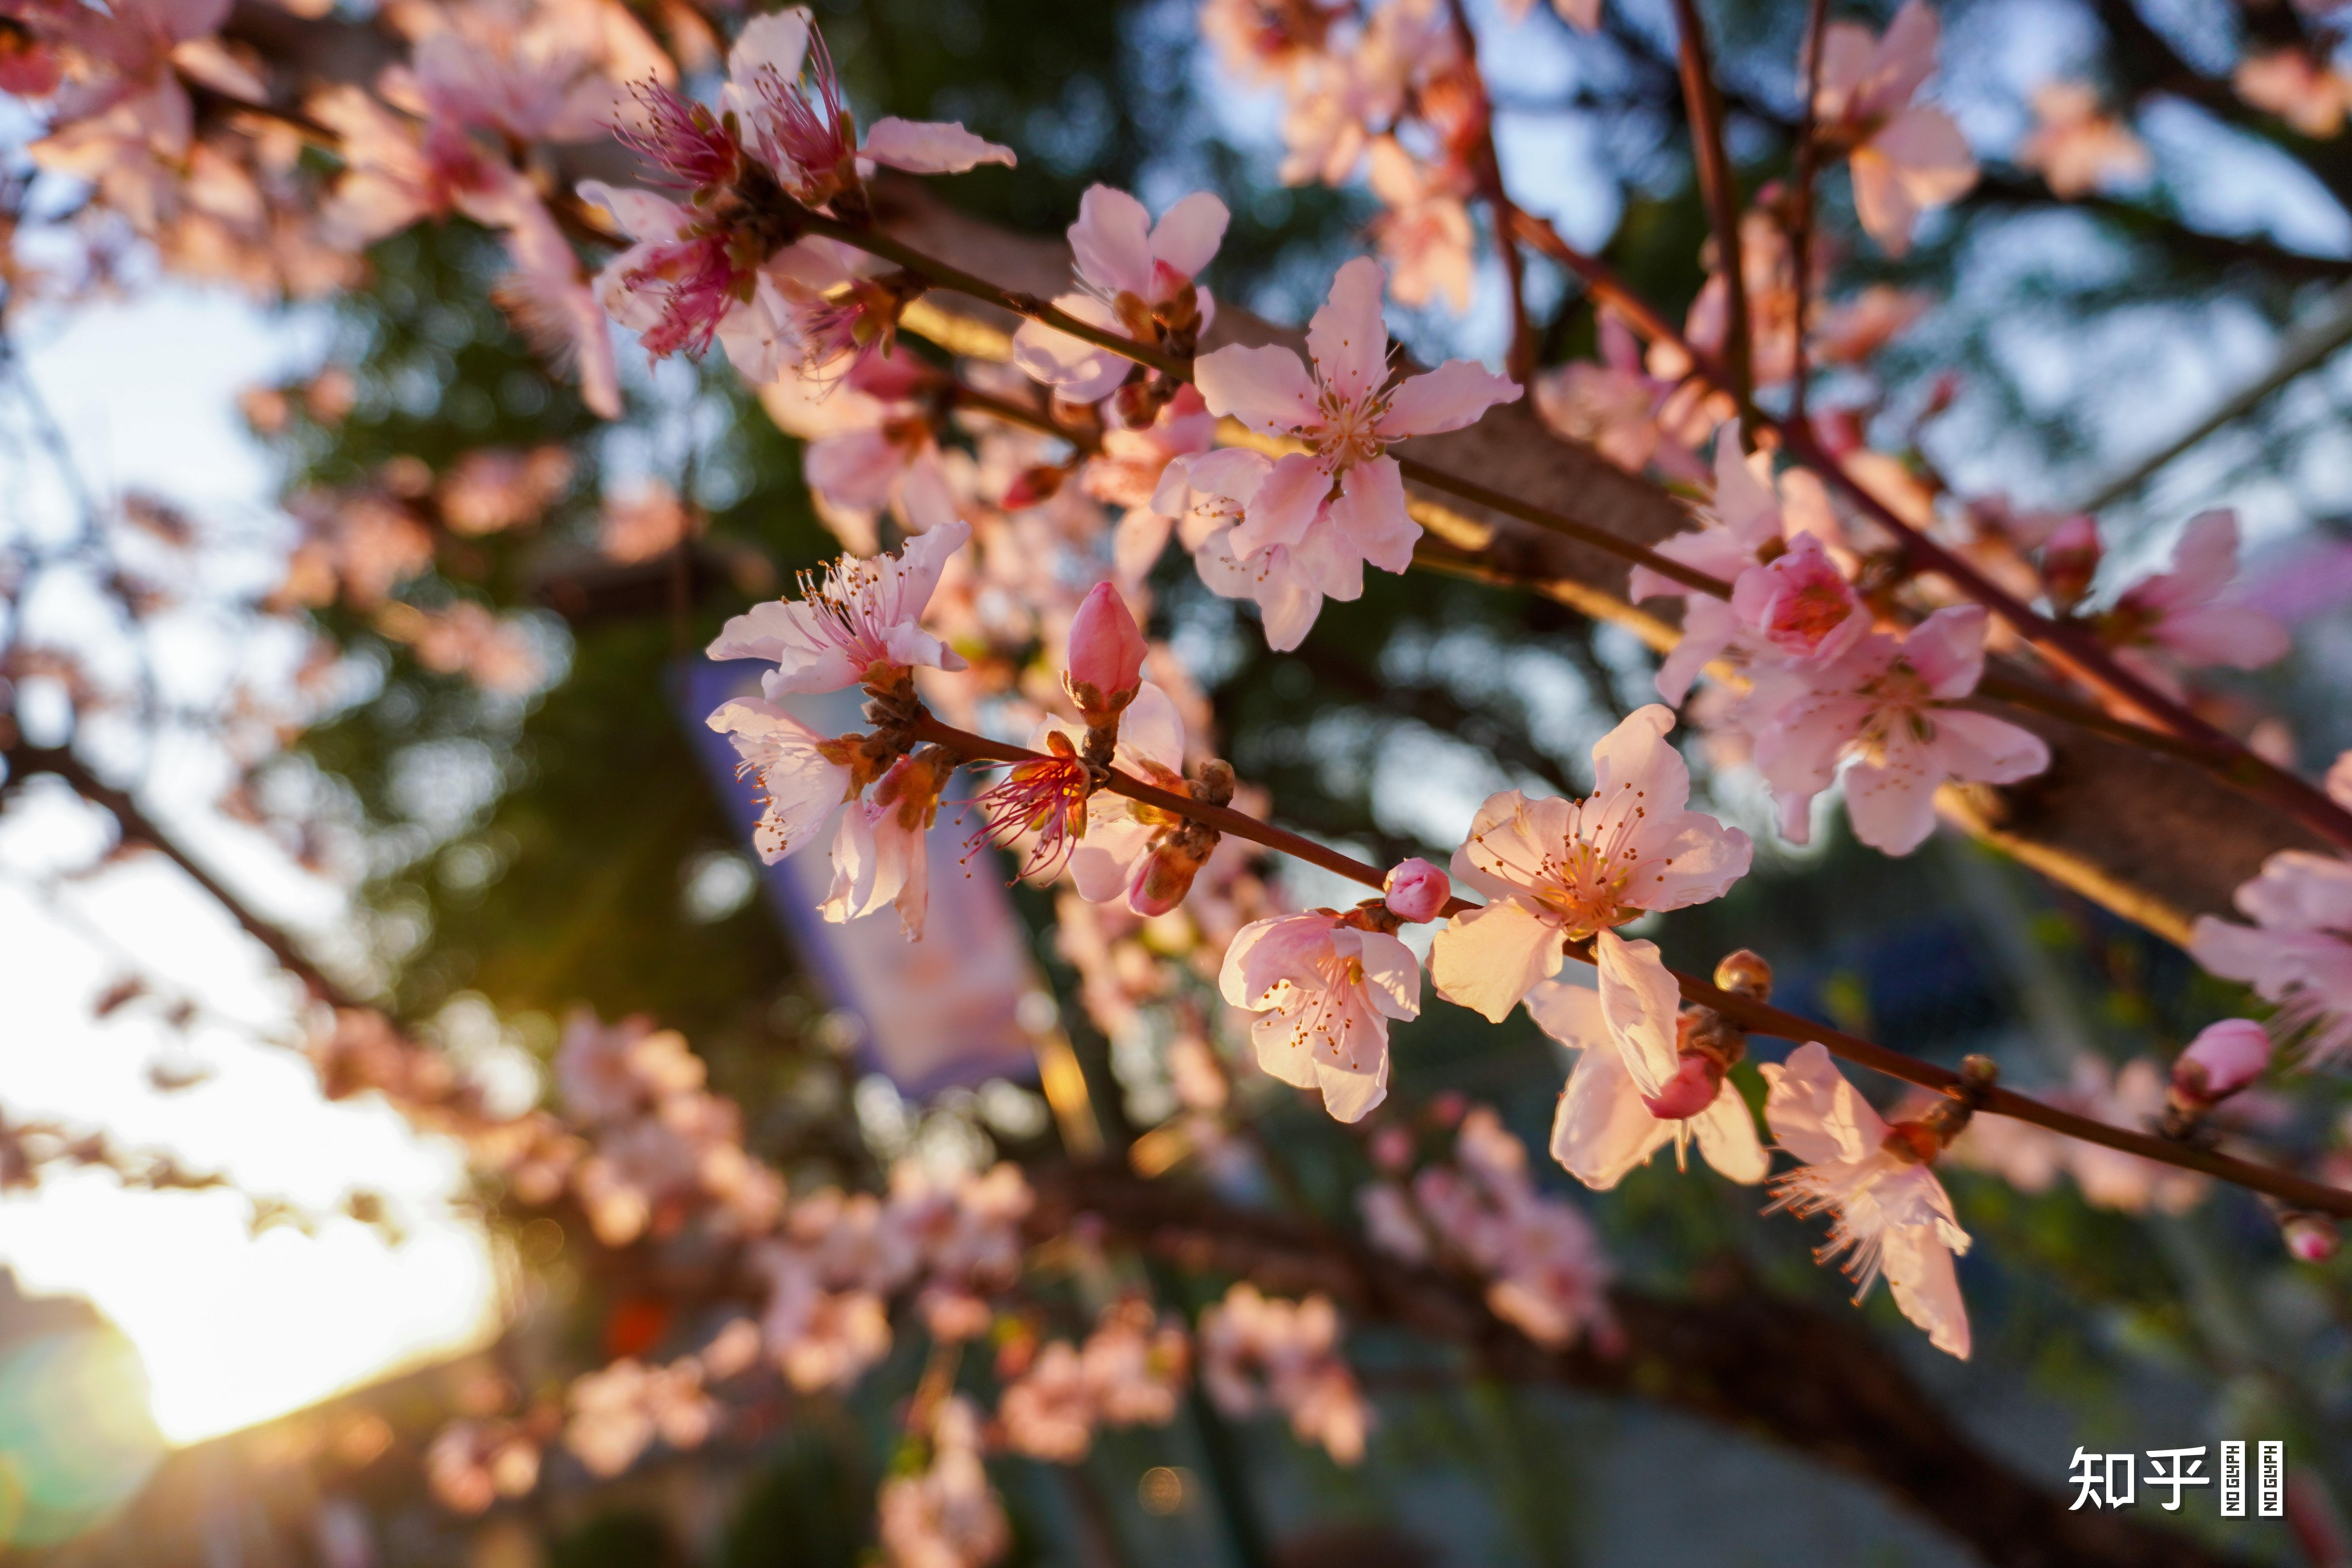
(1814, 1381)
(1800, 217)
(1519, 364)
(137, 827)
(1719, 185)
(2074, 649)
(1757, 1017)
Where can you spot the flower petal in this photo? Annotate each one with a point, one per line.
(1726, 1137)
(1815, 1113)
(1267, 388)
(1488, 959)
(1602, 1130)
(1641, 1003)
(1186, 237)
(1450, 397)
(1347, 337)
(930, 147)
(1111, 242)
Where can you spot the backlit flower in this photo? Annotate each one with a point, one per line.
(1325, 990)
(1556, 870)
(1889, 1214)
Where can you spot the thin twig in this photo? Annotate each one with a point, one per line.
(137, 827)
(1486, 168)
(1800, 214)
(2072, 648)
(1719, 185)
(1759, 1018)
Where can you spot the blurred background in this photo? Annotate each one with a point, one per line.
(237, 1355)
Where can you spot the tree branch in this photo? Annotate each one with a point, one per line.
(137, 827)
(1757, 1017)
(1720, 187)
(1816, 1381)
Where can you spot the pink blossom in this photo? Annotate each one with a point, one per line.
(683, 282)
(610, 1074)
(1048, 1411)
(1269, 40)
(2309, 96)
(944, 1515)
(1106, 663)
(1288, 582)
(617, 1412)
(1258, 1351)
(1616, 407)
(1886, 707)
(1748, 518)
(1137, 278)
(1136, 1366)
(1045, 801)
(641, 523)
(861, 626)
(881, 854)
(1426, 235)
(1327, 991)
(1114, 833)
(684, 145)
(1800, 604)
(496, 653)
(2298, 953)
(2077, 148)
(2070, 560)
(803, 776)
(1890, 1214)
(1543, 1266)
(1857, 328)
(2223, 1058)
(1905, 156)
(469, 1465)
(880, 446)
(1627, 1038)
(1416, 890)
(1555, 870)
(782, 85)
(1348, 411)
(2177, 619)
(495, 488)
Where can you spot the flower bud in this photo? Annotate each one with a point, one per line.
(1691, 1090)
(2223, 1058)
(1034, 486)
(1416, 890)
(2070, 560)
(1106, 656)
(2310, 1237)
(1162, 877)
(1745, 974)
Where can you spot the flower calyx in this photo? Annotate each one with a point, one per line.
(1918, 1141)
(1164, 874)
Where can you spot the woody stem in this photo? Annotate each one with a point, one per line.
(1757, 1017)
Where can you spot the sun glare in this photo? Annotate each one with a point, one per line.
(235, 1329)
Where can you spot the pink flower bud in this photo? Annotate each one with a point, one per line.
(1416, 890)
(2223, 1060)
(1691, 1090)
(1162, 879)
(2071, 559)
(1392, 1148)
(2311, 1238)
(1802, 604)
(1105, 654)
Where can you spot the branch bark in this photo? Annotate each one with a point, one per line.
(1809, 1380)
